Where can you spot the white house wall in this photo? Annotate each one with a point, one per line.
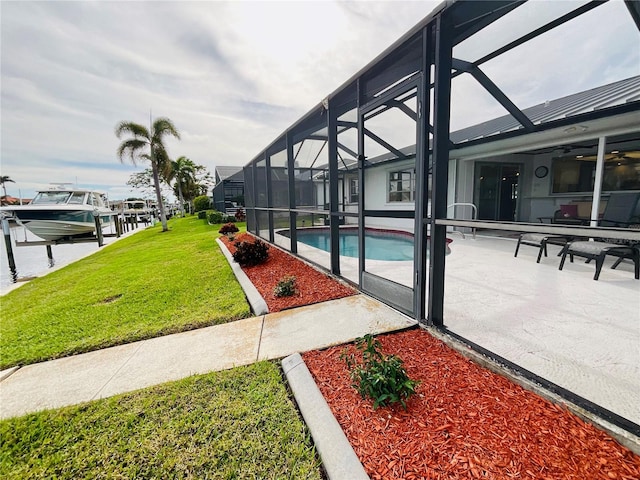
(376, 186)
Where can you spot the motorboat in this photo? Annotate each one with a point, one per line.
(137, 209)
(61, 212)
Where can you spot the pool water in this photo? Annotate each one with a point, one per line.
(379, 245)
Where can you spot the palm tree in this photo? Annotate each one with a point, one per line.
(148, 145)
(182, 171)
(4, 179)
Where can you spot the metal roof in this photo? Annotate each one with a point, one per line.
(224, 172)
(617, 93)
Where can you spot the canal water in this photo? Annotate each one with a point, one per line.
(32, 261)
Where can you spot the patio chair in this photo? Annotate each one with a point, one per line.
(621, 211)
(540, 240)
(598, 251)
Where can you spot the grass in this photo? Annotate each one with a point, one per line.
(225, 425)
(149, 284)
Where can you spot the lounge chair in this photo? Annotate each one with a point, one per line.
(540, 240)
(598, 251)
(621, 211)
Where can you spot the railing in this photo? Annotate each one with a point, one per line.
(552, 229)
(474, 209)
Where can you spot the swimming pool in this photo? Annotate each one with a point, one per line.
(379, 244)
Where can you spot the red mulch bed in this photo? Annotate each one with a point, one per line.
(312, 285)
(464, 422)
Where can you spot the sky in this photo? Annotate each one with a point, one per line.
(232, 76)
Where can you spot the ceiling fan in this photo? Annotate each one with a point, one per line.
(563, 149)
(615, 155)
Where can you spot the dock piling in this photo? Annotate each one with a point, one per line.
(52, 262)
(98, 222)
(6, 230)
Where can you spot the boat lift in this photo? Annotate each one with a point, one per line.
(121, 225)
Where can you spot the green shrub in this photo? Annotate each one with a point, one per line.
(228, 228)
(379, 377)
(202, 215)
(248, 254)
(201, 203)
(286, 287)
(229, 219)
(215, 217)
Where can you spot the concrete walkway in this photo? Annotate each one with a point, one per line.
(103, 373)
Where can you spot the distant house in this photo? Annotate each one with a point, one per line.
(228, 194)
(9, 200)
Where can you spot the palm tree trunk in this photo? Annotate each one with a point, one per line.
(181, 198)
(156, 181)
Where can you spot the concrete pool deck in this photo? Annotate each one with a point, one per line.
(563, 326)
(581, 334)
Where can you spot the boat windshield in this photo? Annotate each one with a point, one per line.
(135, 205)
(77, 198)
(51, 198)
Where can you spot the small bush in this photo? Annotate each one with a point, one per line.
(286, 287)
(202, 215)
(380, 377)
(201, 203)
(249, 254)
(240, 215)
(228, 228)
(215, 217)
(229, 219)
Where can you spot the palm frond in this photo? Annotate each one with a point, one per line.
(182, 170)
(132, 128)
(162, 127)
(131, 149)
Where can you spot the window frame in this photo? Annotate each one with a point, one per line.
(400, 181)
(354, 197)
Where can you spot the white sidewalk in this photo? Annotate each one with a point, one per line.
(103, 373)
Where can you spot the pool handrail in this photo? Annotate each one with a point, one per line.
(474, 215)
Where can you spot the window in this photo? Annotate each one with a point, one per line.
(402, 186)
(353, 190)
(51, 198)
(578, 175)
(77, 198)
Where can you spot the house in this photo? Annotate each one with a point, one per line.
(523, 185)
(437, 136)
(228, 193)
(9, 200)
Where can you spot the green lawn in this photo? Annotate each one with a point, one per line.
(146, 285)
(225, 425)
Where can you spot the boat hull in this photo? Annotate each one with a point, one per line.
(55, 224)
